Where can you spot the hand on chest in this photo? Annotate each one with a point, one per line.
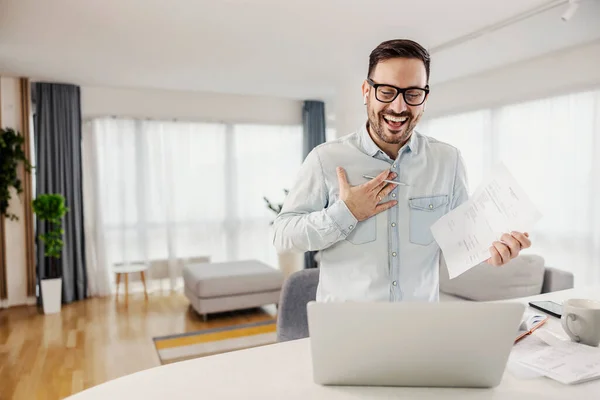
(416, 207)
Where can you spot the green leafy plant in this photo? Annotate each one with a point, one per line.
(11, 154)
(276, 208)
(51, 209)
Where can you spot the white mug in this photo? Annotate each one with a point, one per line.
(581, 320)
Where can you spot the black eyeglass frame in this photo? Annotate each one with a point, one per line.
(398, 91)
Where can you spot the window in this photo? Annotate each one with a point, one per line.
(176, 190)
(470, 134)
(551, 147)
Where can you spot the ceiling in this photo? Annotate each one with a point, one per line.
(294, 49)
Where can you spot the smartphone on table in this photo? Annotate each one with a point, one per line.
(549, 307)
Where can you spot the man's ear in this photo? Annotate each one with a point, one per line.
(426, 100)
(365, 91)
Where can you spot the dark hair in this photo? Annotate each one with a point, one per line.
(398, 48)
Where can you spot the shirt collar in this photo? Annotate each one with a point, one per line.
(413, 142)
(371, 148)
(366, 142)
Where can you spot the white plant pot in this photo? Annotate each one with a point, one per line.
(290, 262)
(51, 295)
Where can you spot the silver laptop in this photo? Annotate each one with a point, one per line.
(447, 344)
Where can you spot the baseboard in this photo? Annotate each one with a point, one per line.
(30, 301)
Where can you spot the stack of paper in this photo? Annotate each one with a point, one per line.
(546, 354)
(498, 206)
(568, 363)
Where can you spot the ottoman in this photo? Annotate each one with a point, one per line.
(228, 286)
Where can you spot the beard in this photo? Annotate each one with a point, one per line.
(390, 134)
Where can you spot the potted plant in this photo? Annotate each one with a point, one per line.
(11, 154)
(51, 209)
(276, 208)
(289, 261)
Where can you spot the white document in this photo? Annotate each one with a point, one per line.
(498, 206)
(567, 362)
(544, 353)
(524, 347)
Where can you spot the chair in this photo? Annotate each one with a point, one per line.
(297, 291)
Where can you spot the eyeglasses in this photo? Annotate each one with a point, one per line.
(413, 96)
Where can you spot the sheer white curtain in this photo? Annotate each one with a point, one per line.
(552, 147)
(469, 133)
(178, 190)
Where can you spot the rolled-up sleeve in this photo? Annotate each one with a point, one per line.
(307, 221)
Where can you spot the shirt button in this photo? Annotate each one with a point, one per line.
(394, 195)
(394, 254)
(395, 283)
(351, 226)
(393, 224)
(395, 165)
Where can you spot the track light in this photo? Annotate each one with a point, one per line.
(573, 6)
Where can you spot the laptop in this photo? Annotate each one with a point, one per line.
(447, 344)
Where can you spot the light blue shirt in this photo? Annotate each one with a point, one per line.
(391, 256)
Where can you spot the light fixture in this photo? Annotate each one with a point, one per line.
(573, 6)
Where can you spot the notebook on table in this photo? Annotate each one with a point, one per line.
(529, 323)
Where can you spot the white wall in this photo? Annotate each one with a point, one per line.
(556, 73)
(15, 230)
(210, 107)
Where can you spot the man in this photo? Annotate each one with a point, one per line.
(374, 236)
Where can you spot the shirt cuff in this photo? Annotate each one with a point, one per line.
(342, 217)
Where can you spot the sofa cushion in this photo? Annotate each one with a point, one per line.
(231, 278)
(520, 277)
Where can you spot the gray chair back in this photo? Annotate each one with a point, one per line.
(298, 289)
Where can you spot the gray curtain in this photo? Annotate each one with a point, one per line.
(57, 131)
(313, 120)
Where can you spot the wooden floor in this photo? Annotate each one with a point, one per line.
(92, 341)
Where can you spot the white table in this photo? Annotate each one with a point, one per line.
(284, 371)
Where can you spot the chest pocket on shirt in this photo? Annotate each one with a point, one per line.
(424, 211)
(364, 232)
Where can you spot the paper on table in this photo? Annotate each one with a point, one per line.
(567, 362)
(498, 206)
(540, 343)
(529, 345)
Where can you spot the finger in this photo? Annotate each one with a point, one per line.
(495, 259)
(387, 189)
(514, 246)
(522, 238)
(378, 180)
(385, 206)
(342, 180)
(383, 184)
(503, 251)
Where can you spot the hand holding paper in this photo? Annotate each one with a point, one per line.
(497, 207)
(508, 247)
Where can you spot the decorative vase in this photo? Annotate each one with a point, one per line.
(51, 295)
(290, 262)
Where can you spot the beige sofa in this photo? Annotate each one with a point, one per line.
(228, 286)
(526, 275)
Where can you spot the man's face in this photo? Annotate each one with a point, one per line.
(394, 122)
